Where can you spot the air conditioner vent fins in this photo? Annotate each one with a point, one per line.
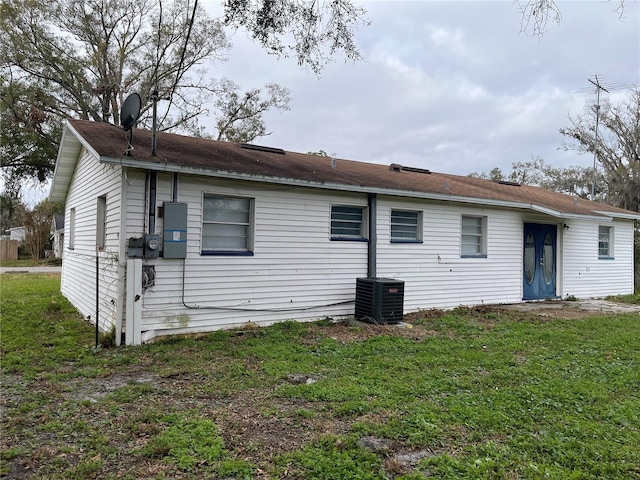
(379, 300)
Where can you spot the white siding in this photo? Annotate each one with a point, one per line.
(586, 275)
(78, 284)
(136, 206)
(296, 271)
(434, 273)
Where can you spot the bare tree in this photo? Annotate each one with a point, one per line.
(37, 226)
(616, 147)
(573, 180)
(536, 14)
(312, 31)
(80, 59)
(240, 115)
(87, 55)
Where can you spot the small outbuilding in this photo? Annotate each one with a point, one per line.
(208, 235)
(57, 235)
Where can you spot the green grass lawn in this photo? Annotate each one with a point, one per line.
(464, 394)
(47, 262)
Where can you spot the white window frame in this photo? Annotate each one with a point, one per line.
(101, 222)
(341, 218)
(605, 237)
(479, 237)
(72, 228)
(249, 225)
(403, 221)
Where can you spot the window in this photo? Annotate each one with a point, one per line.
(227, 225)
(347, 223)
(605, 242)
(101, 223)
(474, 236)
(72, 228)
(406, 226)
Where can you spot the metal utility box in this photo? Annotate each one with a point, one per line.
(174, 237)
(135, 247)
(151, 245)
(379, 300)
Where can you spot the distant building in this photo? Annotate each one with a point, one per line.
(57, 235)
(17, 233)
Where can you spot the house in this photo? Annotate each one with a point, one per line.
(57, 235)
(209, 235)
(18, 234)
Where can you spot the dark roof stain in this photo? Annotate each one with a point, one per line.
(210, 156)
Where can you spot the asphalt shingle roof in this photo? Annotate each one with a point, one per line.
(211, 156)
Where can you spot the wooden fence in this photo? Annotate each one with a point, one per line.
(8, 249)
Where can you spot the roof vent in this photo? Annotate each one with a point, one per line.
(396, 167)
(507, 182)
(262, 148)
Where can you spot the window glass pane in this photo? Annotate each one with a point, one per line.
(72, 227)
(224, 237)
(547, 258)
(230, 216)
(346, 221)
(471, 248)
(404, 225)
(226, 223)
(101, 226)
(604, 242)
(471, 226)
(472, 236)
(234, 210)
(529, 258)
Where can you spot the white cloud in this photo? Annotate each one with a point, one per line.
(453, 86)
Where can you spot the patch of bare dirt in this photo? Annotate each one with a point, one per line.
(93, 390)
(348, 332)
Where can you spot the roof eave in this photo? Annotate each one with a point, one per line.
(623, 215)
(168, 167)
(71, 145)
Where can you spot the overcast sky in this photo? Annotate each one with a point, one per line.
(452, 86)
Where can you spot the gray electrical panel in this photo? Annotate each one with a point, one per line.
(174, 239)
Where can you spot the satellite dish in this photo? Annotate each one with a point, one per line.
(130, 111)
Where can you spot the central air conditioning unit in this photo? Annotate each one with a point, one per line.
(379, 300)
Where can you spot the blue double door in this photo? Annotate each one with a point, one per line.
(539, 264)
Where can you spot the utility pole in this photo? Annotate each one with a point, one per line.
(599, 87)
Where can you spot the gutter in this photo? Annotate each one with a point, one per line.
(555, 213)
(601, 216)
(626, 216)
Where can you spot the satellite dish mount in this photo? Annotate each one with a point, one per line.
(129, 114)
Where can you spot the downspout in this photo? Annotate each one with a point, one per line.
(153, 184)
(373, 238)
(174, 187)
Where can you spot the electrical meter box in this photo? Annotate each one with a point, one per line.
(174, 238)
(151, 245)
